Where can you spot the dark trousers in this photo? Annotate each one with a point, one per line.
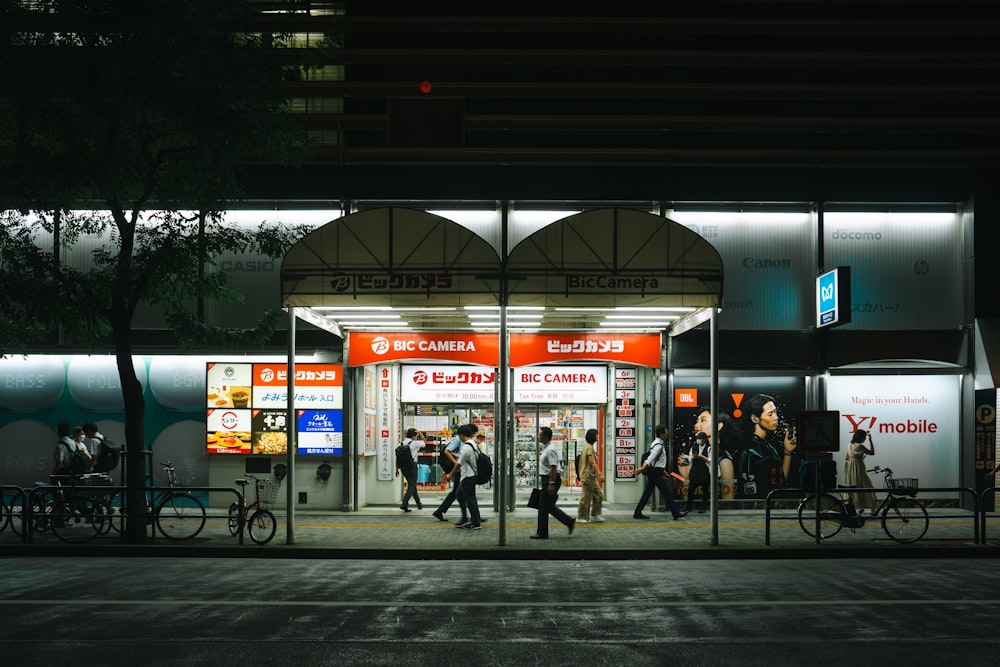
(692, 487)
(467, 493)
(547, 506)
(410, 475)
(659, 482)
(452, 496)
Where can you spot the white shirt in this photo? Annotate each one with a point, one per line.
(415, 447)
(95, 443)
(657, 457)
(549, 457)
(467, 459)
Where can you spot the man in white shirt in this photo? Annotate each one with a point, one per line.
(414, 440)
(655, 468)
(466, 468)
(450, 455)
(551, 482)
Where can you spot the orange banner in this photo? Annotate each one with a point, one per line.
(471, 348)
(306, 375)
(639, 349)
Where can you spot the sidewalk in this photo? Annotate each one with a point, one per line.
(384, 532)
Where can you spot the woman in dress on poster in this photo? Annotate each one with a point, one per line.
(854, 470)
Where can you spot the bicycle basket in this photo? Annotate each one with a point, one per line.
(267, 491)
(902, 483)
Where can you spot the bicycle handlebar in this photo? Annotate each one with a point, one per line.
(884, 471)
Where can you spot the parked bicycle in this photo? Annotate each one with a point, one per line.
(71, 507)
(177, 514)
(258, 519)
(904, 519)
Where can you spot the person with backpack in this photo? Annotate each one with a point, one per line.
(655, 469)
(406, 462)
(104, 453)
(70, 456)
(448, 460)
(467, 470)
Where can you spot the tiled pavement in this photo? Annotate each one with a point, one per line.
(387, 532)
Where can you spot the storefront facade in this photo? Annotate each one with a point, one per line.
(904, 368)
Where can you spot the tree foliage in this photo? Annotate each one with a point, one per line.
(112, 109)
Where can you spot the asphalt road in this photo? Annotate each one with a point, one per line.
(223, 611)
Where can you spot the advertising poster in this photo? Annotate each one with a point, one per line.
(913, 420)
(270, 432)
(247, 407)
(758, 447)
(625, 423)
(321, 432)
(229, 431)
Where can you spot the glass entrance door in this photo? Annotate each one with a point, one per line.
(569, 424)
(438, 423)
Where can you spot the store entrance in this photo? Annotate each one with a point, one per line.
(438, 423)
(569, 424)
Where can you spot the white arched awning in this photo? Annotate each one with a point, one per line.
(586, 268)
(391, 261)
(423, 272)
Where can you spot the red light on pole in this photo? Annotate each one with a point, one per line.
(425, 87)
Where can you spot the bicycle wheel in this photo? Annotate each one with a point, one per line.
(234, 518)
(16, 513)
(261, 526)
(4, 515)
(78, 519)
(180, 516)
(905, 520)
(831, 515)
(116, 513)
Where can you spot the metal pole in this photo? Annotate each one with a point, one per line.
(713, 467)
(503, 427)
(292, 434)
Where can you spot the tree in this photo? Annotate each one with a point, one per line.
(118, 109)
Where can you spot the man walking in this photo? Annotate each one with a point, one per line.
(449, 463)
(655, 469)
(551, 481)
(466, 469)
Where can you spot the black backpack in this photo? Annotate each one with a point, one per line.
(404, 457)
(484, 467)
(78, 463)
(108, 456)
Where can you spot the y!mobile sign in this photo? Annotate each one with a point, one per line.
(376, 348)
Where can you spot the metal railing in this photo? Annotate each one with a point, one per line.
(978, 516)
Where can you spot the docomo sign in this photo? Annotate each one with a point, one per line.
(370, 348)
